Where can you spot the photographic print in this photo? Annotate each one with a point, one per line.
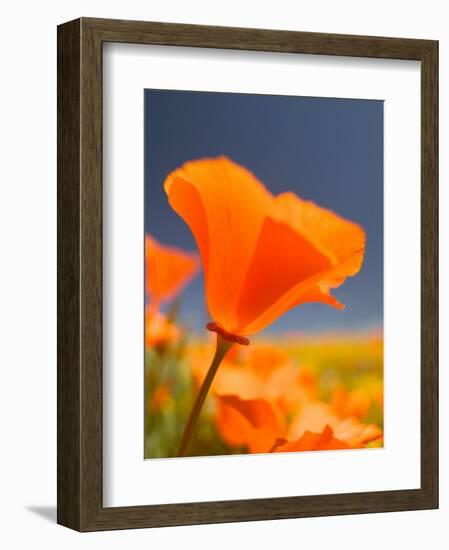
(263, 296)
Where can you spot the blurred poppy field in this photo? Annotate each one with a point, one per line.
(288, 389)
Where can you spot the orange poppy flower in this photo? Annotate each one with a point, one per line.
(346, 403)
(265, 358)
(262, 254)
(168, 270)
(260, 426)
(315, 416)
(356, 434)
(309, 441)
(161, 397)
(252, 423)
(159, 330)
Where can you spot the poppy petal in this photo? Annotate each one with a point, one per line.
(253, 423)
(213, 197)
(334, 250)
(316, 416)
(356, 434)
(282, 257)
(338, 238)
(309, 441)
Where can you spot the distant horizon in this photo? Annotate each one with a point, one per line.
(356, 335)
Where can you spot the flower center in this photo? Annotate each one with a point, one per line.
(227, 335)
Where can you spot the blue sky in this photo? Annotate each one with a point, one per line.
(326, 150)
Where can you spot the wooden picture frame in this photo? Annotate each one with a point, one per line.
(80, 504)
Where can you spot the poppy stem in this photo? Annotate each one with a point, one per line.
(223, 346)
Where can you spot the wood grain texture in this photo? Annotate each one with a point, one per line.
(429, 271)
(69, 407)
(80, 353)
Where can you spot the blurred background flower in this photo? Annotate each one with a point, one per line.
(160, 331)
(287, 395)
(168, 269)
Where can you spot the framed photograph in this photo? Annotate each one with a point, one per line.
(247, 274)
